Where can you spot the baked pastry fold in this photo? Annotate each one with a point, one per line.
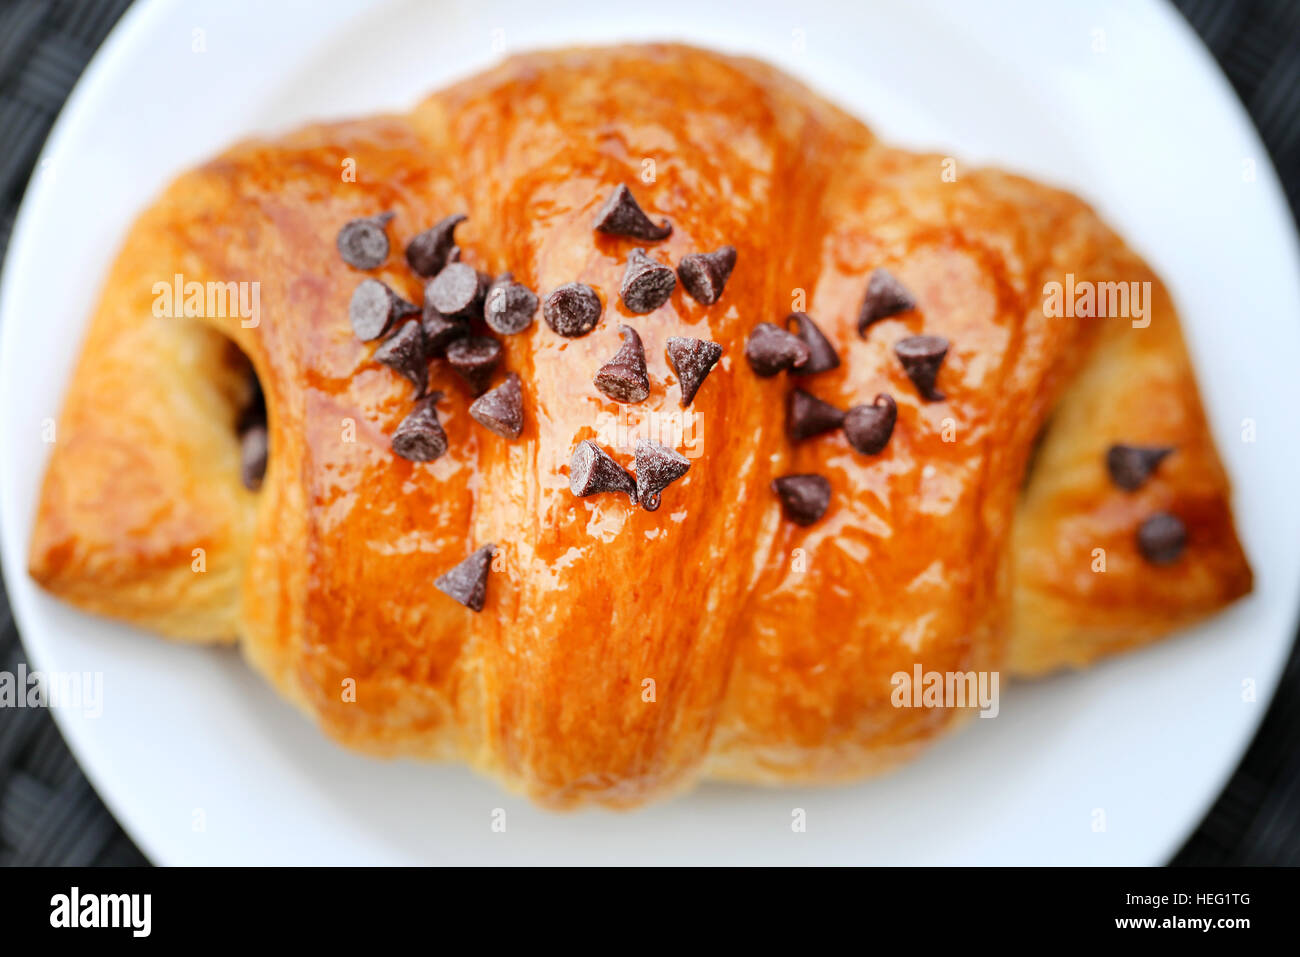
(624, 654)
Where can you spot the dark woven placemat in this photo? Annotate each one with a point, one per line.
(48, 812)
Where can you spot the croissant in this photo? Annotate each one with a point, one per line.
(633, 416)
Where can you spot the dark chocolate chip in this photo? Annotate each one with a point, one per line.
(362, 243)
(622, 216)
(419, 437)
(885, 297)
(868, 427)
(704, 275)
(804, 498)
(467, 582)
(806, 416)
(254, 409)
(404, 352)
(1131, 465)
(656, 468)
(822, 356)
(771, 349)
(375, 308)
(592, 470)
(474, 358)
(440, 332)
(921, 357)
(254, 444)
(623, 378)
(455, 292)
(1162, 538)
(502, 409)
(510, 306)
(692, 360)
(429, 252)
(647, 284)
(572, 310)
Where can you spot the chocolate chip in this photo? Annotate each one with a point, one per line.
(572, 310)
(254, 409)
(592, 470)
(440, 332)
(362, 243)
(621, 216)
(885, 297)
(1131, 465)
(1162, 538)
(704, 275)
(419, 437)
(692, 360)
(502, 409)
(656, 469)
(467, 582)
(510, 306)
(623, 378)
(405, 353)
(454, 292)
(429, 252)
(771, 349)
(806, 416)
(647, 284)
(254, 444)
(804, 498)
(253, 438)
(474, 358)
(374, 308)
(921, 357)
(822, 356)
(868, 427)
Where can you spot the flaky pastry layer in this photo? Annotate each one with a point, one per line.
(624, 654)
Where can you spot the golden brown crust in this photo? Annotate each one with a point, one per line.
(769, 646)
(1082, 588)
(138, 496)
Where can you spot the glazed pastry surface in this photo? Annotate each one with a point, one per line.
(623, 654)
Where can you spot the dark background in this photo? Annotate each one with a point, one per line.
(49, 814)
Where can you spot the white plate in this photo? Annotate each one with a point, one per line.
(1119, 102)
